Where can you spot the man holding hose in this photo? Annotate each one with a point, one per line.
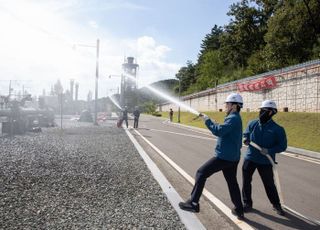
(271, 137)
(226, 158)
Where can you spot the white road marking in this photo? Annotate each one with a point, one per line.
(190, 220)
(182, 134)
(301, 157)
(210, 196)
(185, 127)
(288, 154)
(292, 155)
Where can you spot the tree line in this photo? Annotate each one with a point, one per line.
(262, 35)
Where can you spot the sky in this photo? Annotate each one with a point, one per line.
(43, 41)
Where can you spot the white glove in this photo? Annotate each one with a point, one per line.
(204, 117)
(264, 151)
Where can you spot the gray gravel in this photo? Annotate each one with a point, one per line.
(85, 177)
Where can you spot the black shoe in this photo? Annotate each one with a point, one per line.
(279, 210)
(247, 208)
(237, 213)
(189, 206)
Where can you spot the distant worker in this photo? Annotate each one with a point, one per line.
(136, 115)
(271, 137)
(125, 115)
(171, 114)
(226, 159)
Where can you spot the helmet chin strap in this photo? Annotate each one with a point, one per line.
(231, 109)
(266, 111)
(264, 116)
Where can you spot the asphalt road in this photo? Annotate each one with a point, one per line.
(300, 179)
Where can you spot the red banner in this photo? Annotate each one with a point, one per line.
(257, 85)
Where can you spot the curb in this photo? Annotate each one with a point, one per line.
(303, 152)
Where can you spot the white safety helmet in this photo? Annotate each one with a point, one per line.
(270, 104)
(235, 98)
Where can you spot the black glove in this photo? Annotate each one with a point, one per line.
(246, 142)
(204, 117)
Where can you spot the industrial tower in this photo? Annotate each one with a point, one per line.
(128, 95)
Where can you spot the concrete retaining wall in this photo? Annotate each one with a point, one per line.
(297, 90)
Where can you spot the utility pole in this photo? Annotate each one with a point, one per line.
(122, 91)
(96, 89)
(61, 107)
(96, 80)
(10, 89)
(77, 90)
(179, 100)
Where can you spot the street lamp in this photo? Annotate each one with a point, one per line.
(96, 80)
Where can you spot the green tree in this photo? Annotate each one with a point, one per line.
(149, 107)
(262, 35)
(211, 70)
(186, 75)
(292, 33)
(244, 34)
(211, 41)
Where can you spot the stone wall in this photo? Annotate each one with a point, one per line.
(297, 90)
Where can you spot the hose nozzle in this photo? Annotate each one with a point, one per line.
(197, 117)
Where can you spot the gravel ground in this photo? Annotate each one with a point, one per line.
(85, 177)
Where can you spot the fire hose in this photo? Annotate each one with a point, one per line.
(277, 183)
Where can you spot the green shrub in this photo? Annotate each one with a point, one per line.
(156, 114)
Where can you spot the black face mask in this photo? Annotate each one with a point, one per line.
(264, 116)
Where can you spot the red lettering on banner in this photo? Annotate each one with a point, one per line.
(251, 87)
(257, 86)
(240, 87)
(265, 83)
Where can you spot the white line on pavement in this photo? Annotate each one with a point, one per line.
(210, 196)
(182, 134)
(186, 127)
(190, 220)
(288, 154)
(301, 157)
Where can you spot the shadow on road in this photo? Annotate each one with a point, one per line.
(289, 220)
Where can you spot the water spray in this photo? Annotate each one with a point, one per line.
(169, 98)
(114, 102)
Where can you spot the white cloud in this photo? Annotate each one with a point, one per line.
(151, 58)
(37, 48)
(93, 24)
